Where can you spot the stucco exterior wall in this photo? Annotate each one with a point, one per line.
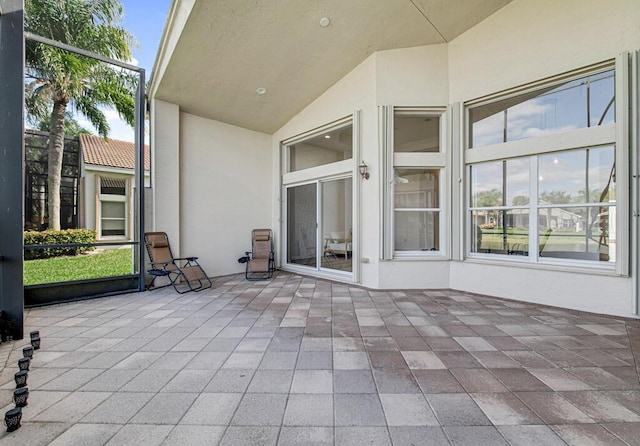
(165, 170)
(225, 180)
(530, 40)
(521, 43)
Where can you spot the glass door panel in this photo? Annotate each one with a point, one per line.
(337, 224)
(302, 225)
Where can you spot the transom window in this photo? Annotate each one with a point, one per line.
(571, 105)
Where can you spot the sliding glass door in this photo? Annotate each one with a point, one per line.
(302, 233)
(336, 224)
(320, 225)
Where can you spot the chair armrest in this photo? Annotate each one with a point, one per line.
(190, 259)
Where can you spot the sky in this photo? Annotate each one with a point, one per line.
(144, 19)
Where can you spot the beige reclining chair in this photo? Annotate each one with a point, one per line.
(184, 273)
(261, 261)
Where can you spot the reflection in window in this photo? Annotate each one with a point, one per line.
(576, 216)
(573, 105)
(581, 233)
(498, 227)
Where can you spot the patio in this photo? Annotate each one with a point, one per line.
(297, 360)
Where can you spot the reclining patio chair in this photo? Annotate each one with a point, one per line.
(260, 261)
(185, 272)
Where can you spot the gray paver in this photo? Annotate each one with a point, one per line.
(84, 434)
(305, 361)
(164, 408)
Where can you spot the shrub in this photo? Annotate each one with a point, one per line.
(51, 237)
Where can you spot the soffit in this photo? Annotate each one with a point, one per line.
(229, 48)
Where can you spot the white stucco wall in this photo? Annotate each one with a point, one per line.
(353, 93)
(165, 170)
(225, 191)
(530, 40)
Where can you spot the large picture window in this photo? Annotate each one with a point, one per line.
(543, 186)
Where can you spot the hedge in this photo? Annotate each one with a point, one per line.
(50, 237)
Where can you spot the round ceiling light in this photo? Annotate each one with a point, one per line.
(261, 90)
(325, 21)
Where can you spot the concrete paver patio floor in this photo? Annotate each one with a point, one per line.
(300, 361)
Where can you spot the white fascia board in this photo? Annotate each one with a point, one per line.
(93, 168)
(179, 12)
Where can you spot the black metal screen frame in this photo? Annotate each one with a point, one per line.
(139, 157)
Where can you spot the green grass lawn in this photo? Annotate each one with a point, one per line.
(115, 262)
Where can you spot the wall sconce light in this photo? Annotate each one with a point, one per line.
(364, 170)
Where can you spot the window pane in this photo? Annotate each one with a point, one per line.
(417, 188)
(518, 182)
(337, 227)
(602, 186)
(562, 177)
(112, 209)
(601, 94)
(485, 130)
(301, 225)
(323, 149)
(416, 134)
(113, 227)
(573, 105)
(500, 232)
(486, 184)
(577, 233)
(417, 231)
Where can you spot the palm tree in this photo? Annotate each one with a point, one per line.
(61, 79)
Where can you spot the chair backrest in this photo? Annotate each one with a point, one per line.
(261, 243)
(158, 247)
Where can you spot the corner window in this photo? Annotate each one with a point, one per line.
(551, 198)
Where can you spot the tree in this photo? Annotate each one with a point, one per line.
(71, 126)
(487, 198)
(556, 197)
(62, 80)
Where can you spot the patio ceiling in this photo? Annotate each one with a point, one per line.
(230, 48)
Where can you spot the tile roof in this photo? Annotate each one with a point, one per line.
(110, 152)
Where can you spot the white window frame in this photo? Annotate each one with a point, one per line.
(590, 137)
(333, 171)
(110, 198)
(411, 160)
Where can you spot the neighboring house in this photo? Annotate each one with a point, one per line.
(107, 186)
(384, 120)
